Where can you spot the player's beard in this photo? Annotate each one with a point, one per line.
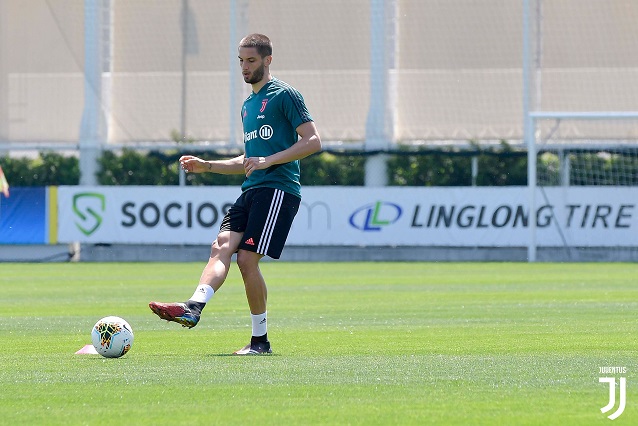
(257, 75)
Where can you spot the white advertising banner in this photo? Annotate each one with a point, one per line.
(395, 216)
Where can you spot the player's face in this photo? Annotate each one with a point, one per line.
(253, 66)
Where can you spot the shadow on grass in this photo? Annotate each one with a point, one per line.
(244, 356)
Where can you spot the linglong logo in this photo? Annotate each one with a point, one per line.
(88, 207)
(372, 217)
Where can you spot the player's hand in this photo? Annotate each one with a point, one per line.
(254, 163)
(192, 164)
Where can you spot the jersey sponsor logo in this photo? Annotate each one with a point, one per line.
(261, 117)
(263, 105)
(266, 132)
(248, 136)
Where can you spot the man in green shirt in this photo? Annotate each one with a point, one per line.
(278, 132)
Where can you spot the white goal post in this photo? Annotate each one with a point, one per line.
(531, 120)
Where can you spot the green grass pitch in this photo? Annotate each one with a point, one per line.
(354, 343)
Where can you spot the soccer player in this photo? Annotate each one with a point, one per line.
(278, 132)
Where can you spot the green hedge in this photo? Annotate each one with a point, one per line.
(405, 168)
(47, 169)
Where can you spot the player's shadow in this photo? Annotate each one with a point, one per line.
(244, 356)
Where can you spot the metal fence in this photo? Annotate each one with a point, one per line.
(156, 71)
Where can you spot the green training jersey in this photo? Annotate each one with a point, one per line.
(270, 120)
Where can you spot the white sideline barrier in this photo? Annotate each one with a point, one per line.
(359, 216)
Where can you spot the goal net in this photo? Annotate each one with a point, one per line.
(585, 186)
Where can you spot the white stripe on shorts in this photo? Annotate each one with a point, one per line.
(271, 220)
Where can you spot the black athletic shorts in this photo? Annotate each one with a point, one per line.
(265, 217)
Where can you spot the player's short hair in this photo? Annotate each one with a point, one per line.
(259, 41)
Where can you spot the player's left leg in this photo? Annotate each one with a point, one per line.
(257, 296)
(256, 291)
(270, 219)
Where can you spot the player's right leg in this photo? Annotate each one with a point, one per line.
(213, 276)
(175, 311)
(216, 270)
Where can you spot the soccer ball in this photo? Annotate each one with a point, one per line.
(112, 337)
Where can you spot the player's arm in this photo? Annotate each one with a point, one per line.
(308, 143)
(231, 166)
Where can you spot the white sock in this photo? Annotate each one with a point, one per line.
(260, 324)
(203, 293)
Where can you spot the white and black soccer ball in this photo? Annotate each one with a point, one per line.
(112, 337)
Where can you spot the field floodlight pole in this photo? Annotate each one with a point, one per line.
(238, 90)
(93, 126)
(184, 83)
(528, 134)
(382, 111)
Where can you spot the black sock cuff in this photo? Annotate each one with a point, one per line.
(259, 339)
(197, 307)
